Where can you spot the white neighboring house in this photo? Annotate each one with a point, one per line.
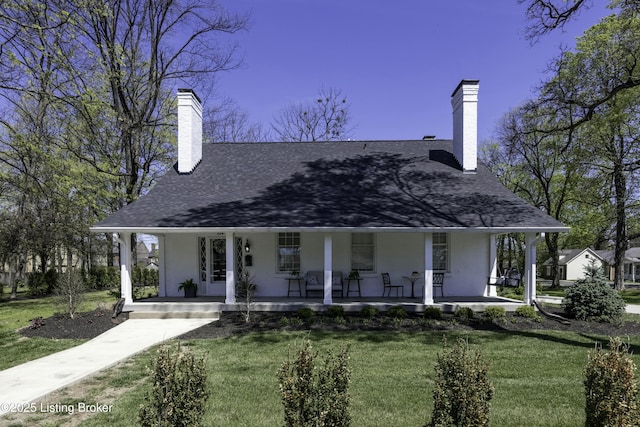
(572, 263)
(396, 207)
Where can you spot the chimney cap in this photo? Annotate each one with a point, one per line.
(465, 82)
(191, 91)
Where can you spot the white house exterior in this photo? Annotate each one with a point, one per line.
(573, 262)
(392, 207)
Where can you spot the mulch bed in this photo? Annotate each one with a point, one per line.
(83, 326)
(91, 324)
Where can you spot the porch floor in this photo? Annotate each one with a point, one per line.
(189, 307)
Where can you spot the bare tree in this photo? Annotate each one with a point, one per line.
(326, 119)
(226, 122)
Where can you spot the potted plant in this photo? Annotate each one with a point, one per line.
(190, 288)
(355, 274)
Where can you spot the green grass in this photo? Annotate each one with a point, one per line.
(537, 377)
(16, 314)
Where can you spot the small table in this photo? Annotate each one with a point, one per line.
(353, 279)
(290, 289)
(413, 279)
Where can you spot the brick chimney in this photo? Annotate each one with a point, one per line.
(464, 101)
(189, 130)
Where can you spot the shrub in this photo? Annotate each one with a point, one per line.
(315, 396)
(464, 313)
(432, 313)
(369, 312)
(526, 311)
(103, 277)
(397, 312)
(494, 312)
(307, 314)
(593, 299)
(41, 284)
(37, 323)
(611, 387)
(335, 311)
(179, 390)
(70, 292)
(462, 390)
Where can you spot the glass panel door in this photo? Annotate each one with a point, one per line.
(218, 260)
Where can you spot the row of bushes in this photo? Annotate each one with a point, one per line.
(493, 313)
(96, 278)
(316, 393)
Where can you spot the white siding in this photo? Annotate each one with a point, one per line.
(575, 268)
(398, 254)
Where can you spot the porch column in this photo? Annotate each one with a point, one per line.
(230, 271)
(530, 268)
(125, 267)
(427, 295)
(328, 257)
(162, 272)
(491, 291)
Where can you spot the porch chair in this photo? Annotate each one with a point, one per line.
(387, 286)
(314, 282)
(438, 282)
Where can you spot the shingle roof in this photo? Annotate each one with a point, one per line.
(330, 185)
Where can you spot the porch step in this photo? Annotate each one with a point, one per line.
(213, 315)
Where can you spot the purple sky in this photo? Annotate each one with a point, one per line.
(397, 62)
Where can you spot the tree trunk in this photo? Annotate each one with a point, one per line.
(551, 239)
(620, 187)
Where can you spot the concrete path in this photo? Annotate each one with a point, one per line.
(631, 308)
(35, 379)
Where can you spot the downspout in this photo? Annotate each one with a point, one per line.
(530, 290)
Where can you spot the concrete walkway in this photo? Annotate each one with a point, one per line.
(35, 379)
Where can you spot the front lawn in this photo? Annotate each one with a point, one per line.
(537, 377)
(17, 313)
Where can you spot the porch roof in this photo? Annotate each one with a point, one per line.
(329, 186)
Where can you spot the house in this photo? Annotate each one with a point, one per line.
(572, 263)
(631, 264)
(373, 206)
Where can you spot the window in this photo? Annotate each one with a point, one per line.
(440, 252)
(363, 251)
(288, 252)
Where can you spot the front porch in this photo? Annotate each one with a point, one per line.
(213, 306)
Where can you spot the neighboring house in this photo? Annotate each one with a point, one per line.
(374, 206)
(572, 263)
(631, 266)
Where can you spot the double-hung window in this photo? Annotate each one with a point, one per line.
(440, 252)
(288, 252)
(363, 252)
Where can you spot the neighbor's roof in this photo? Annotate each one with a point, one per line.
(565, 256)
(394, 185)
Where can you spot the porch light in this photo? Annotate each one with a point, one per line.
(247, 246)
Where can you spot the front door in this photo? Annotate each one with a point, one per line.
(212, 266)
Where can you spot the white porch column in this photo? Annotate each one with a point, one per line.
(530, 267)
(162, 272)
(125, 267)
(428, 269)
(491, 291)
(328, 267)
(230, 272)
